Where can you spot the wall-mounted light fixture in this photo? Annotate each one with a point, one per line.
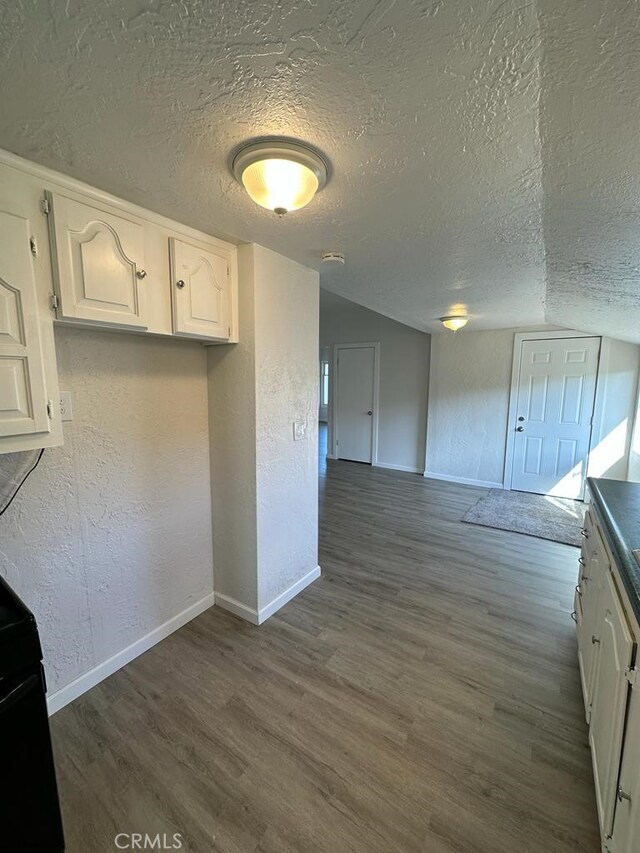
(454, 323)
(280, 174)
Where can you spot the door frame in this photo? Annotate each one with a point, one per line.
(596, 421)
(333, 396)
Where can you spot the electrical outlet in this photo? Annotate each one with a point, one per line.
(299, 430)
(66, 408)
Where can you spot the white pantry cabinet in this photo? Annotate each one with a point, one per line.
(28, 380)
(98, 262)
(608, 636)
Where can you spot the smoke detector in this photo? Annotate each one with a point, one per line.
(333, 258)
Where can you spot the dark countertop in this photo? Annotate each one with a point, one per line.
(618, 505)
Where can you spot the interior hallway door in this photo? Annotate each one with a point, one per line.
(555, 398)
(354, 401)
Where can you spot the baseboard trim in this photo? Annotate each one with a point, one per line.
(331, 456)
(408, 468)
(249, 614)
(464, 481)
(103, 670)
(265, 612)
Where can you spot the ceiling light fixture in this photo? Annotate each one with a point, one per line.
(280, 174)
(454, 323)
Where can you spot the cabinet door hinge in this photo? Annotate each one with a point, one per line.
(50, 409)
(228, 270)
(46, 207)
(54, 301)
(229, 335)
(631, 674)
(33, 246)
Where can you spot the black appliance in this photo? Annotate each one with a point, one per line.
(29, 809)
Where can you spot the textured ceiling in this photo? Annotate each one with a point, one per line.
(481, 153)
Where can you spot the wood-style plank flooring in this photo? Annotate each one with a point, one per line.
(422, 696)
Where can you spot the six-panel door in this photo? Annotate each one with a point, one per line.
(23, 398)
(555, 398)
(200, 290)
(98, 263)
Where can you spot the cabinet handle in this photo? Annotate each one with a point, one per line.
(622, 795)
(579, 590)
(582, 562)
(584, 533)
(574, 616)
(141, 274)
(595, 640)
(180, 284)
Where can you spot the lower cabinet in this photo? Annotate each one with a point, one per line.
(607, 647)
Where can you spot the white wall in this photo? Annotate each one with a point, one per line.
(469, 404)
(111, 536)
(265, 484)
(634, 452)
(404, 376)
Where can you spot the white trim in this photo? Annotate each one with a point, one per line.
(408, 468)
(249, 614)
(94, 676)
(333, 409)
(518, 340)
(279, 601)
(464, 481)
(257, 617)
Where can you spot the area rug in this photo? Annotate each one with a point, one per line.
(557, 519)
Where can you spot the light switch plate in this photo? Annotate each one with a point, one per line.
(299, 430)
(66, 407)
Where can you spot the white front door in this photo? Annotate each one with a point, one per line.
(354, 403)
(555, 396)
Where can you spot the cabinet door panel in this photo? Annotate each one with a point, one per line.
(200, 288)
(610, 693)
(98, 263)
(23, 399)
(626, 825)
(591, 577)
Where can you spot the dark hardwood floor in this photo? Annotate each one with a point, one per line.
(423, 695)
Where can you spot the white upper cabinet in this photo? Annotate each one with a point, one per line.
(23, 395)
(201, 280)
(29, 418)
(98, 263)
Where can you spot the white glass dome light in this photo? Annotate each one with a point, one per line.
(279, 174)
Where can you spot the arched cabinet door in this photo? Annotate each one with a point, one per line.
(98, 263)
(200, 290)
(23, 399)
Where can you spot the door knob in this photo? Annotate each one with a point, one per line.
(520, 429)
(520, 418)
(369, 413)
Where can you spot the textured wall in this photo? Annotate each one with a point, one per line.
(232, 425)
(111, 535)
(404, 375)
(287, 389)
(468, 404)
(265, 485)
